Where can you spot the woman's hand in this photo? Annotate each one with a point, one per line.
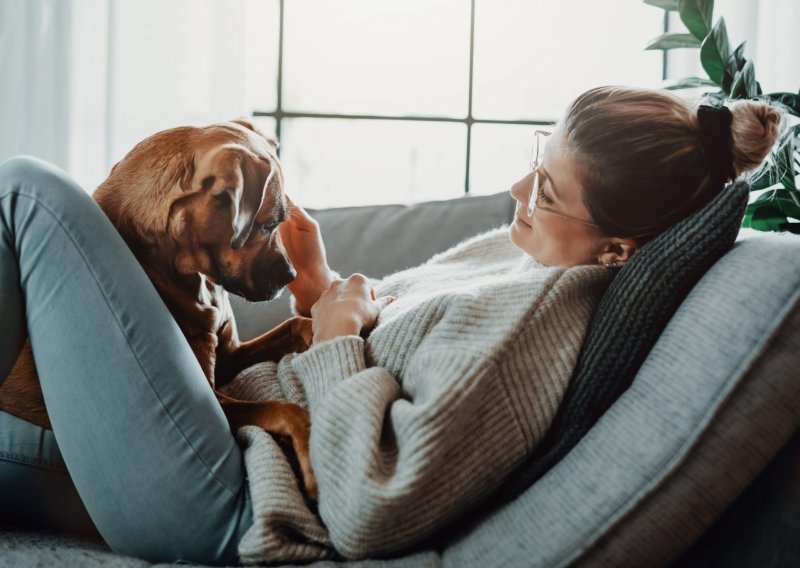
(303, 243)
(348, 307)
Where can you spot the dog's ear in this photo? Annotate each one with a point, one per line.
(249, 125)
(191, 256)
(234, 173)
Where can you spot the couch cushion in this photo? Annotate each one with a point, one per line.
(382, 239)
(628, 321)
(761, 527)
(715, 399)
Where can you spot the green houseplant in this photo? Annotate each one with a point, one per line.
(733, 77)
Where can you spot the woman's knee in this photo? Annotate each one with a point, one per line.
(35, 178)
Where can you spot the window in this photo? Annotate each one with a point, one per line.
(374, 101)
(386, 102)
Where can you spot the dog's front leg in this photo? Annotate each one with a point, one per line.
(205, 351)
(282, 418)
(292, 336)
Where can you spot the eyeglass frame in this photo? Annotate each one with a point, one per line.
(532, 205)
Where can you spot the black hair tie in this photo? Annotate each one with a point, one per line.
(716, 139)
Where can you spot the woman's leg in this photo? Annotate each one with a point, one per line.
(143, 438)
(36, 492)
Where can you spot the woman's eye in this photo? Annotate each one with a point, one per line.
(544, 197)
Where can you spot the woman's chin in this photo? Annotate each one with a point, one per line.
(519, 236)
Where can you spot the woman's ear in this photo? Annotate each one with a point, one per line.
(616, 252)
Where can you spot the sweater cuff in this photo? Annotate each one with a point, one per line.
(327, 364)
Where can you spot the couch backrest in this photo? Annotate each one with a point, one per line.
(381, 239)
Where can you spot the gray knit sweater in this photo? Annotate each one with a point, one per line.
(458, 381)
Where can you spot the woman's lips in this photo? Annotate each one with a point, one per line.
(518, 217)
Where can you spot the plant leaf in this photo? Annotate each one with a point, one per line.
(735, 63)
(670, 5)
(787, 201)
(766, 177)
(764, 217)
(784, 162)
(673, 41)
(689, 83)
(696, 15)
(744, 83)
(714, 52)
(785, 158)
(791, 100)
(716, 97)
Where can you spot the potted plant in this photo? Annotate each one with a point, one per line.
(733, 76)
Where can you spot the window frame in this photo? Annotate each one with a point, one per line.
(279, 114)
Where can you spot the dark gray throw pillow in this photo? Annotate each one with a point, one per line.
(634, 311)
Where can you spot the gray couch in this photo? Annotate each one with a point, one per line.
(696, 464)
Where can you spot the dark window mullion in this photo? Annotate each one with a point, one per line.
(469, 103)
(664, 52)
(279, 109)
(289, 114)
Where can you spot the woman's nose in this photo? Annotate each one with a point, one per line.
(521, 189)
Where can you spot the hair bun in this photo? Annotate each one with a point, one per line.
(755, 128)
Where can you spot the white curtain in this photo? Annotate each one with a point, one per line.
(83, 80)
(34, 79)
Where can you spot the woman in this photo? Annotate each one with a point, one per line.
(458, 379)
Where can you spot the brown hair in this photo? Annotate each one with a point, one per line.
(641, 157)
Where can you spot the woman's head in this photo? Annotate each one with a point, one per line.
(633, 162)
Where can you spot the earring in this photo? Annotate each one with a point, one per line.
(611, 264)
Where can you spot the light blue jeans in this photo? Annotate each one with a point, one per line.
(140, 448)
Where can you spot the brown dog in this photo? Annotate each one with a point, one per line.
(199, 208)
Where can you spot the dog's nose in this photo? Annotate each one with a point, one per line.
(282, 273)
(288, 275)
(291, 274)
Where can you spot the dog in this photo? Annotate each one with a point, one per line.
(199, 208)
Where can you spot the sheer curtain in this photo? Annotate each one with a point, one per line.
(34, 79)
(84, 80)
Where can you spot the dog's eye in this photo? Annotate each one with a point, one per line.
(267, 228)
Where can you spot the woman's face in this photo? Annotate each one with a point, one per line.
(548, 237)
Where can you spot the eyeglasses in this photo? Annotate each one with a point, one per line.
(536, 186)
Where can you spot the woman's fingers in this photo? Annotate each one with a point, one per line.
(384, 301)
(300, 216)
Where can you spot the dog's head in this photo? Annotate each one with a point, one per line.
(216, 194)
